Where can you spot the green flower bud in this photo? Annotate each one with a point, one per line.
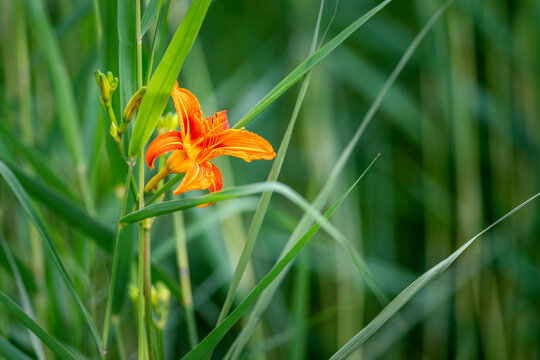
(107, 84)
(131, 109)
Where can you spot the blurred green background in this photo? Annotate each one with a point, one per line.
(459, 139)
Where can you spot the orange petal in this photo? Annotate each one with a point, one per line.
(241, 144)
(169, 141)
(178, 162)
(200, 177)
(218, 122)
(189, 113)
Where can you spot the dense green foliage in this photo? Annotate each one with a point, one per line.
(309, 255)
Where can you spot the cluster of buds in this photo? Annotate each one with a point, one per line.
(160, 299)
(107, 85)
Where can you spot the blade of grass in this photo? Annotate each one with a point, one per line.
(28, 207)
(23, 294)
(260, 213)
(323, 195)
(160, 86)
(410, 291)
(305, 66)
(59, 349)
(212, 339)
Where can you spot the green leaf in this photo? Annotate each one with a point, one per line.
(28, 207)
(160, 86)
(305, 66)
(168, 207)
(31, 325)
(410, 291)
(215, 336)
(149, 16)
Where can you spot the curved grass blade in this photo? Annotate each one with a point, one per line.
(307, 65)
(168, 207)
(23, 294)
(28, 207)
(215, 336)
(160, 86)
(59, 349)
(9, 351)
(410, 291)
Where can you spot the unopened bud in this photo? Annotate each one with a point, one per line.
(131, 109)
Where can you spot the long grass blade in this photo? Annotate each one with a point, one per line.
(161, 84)
(59, 349)
(307, 65)
(28, 207)
(406, 295)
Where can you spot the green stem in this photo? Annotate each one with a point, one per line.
(110, 112)
(144, 240)
(185, 282)
(116, 255)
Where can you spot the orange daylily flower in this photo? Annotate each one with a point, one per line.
(198, 141)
